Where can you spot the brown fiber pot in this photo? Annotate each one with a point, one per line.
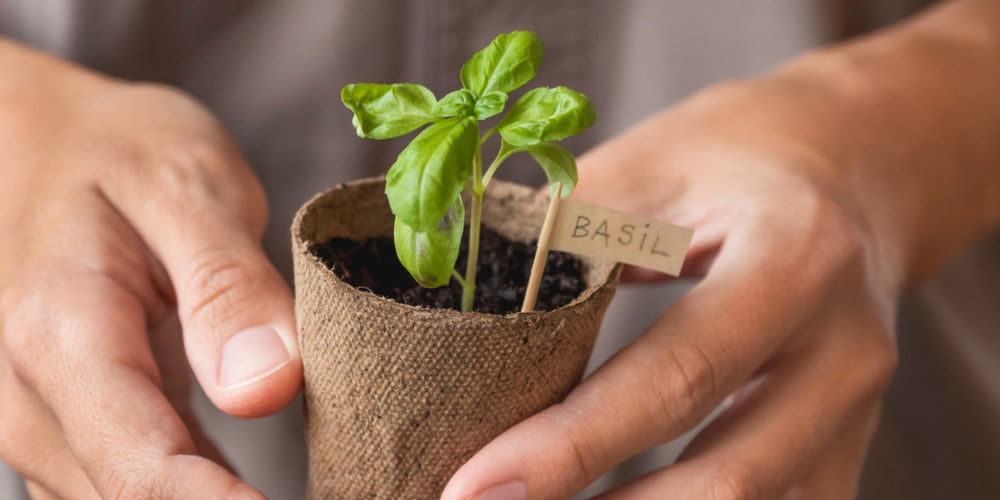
(399, 397)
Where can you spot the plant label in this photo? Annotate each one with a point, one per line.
(633, 239)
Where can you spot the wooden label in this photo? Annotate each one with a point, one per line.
(633, 239)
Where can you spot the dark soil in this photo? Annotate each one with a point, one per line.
(504, 267)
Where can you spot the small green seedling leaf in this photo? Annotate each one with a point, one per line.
(431, 171)
(458, 103)
(430, 255)
(425, 184)
(510, 61)
(490, 104)
(387, 111)
(558, 164)
(546, 115)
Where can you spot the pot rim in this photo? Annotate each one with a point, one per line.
(602, 272)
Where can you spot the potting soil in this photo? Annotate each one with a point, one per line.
(504, 267)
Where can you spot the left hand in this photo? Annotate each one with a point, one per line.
(789, 328)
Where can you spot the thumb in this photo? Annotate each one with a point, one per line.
(237, 314)
(236, 311)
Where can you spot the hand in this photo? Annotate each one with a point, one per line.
(816, 194)
(121, 204)
(789, 328)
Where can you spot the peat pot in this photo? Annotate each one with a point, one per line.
(399, 397)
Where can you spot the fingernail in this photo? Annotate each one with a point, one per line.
(511, 490)
(251, 355)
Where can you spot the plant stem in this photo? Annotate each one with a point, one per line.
(458, 277)
(501, 156)
(475, 219)
(469, 286)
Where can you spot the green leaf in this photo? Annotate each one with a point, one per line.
(430, 255)
(557, 162)
(386, 111)
(490, 104)
(431, 171)
(546, 115)
(458, 103)
(509, 61)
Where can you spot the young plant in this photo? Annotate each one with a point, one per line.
(424, 186)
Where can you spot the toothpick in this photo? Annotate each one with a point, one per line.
(542, 253)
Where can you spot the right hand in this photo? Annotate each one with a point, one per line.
(119, 205)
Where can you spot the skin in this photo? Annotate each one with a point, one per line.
(125, 208)
(818, 194)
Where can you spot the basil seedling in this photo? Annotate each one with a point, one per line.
(424, 186)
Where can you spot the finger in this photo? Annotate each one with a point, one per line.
(652, 391)
(838, 473)
(204, 446)
(697, 262)
(203, 214)
(804, 413)
(44, 457)
(90, 363)
(662, 385)
(38, 492)
(32, 443)
(167, 345)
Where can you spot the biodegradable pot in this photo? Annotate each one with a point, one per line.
(399, 397)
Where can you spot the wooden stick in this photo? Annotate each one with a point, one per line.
(542, 254)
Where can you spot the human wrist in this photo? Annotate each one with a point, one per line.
(915, 156)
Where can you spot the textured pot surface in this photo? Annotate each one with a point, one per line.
(398, 397)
